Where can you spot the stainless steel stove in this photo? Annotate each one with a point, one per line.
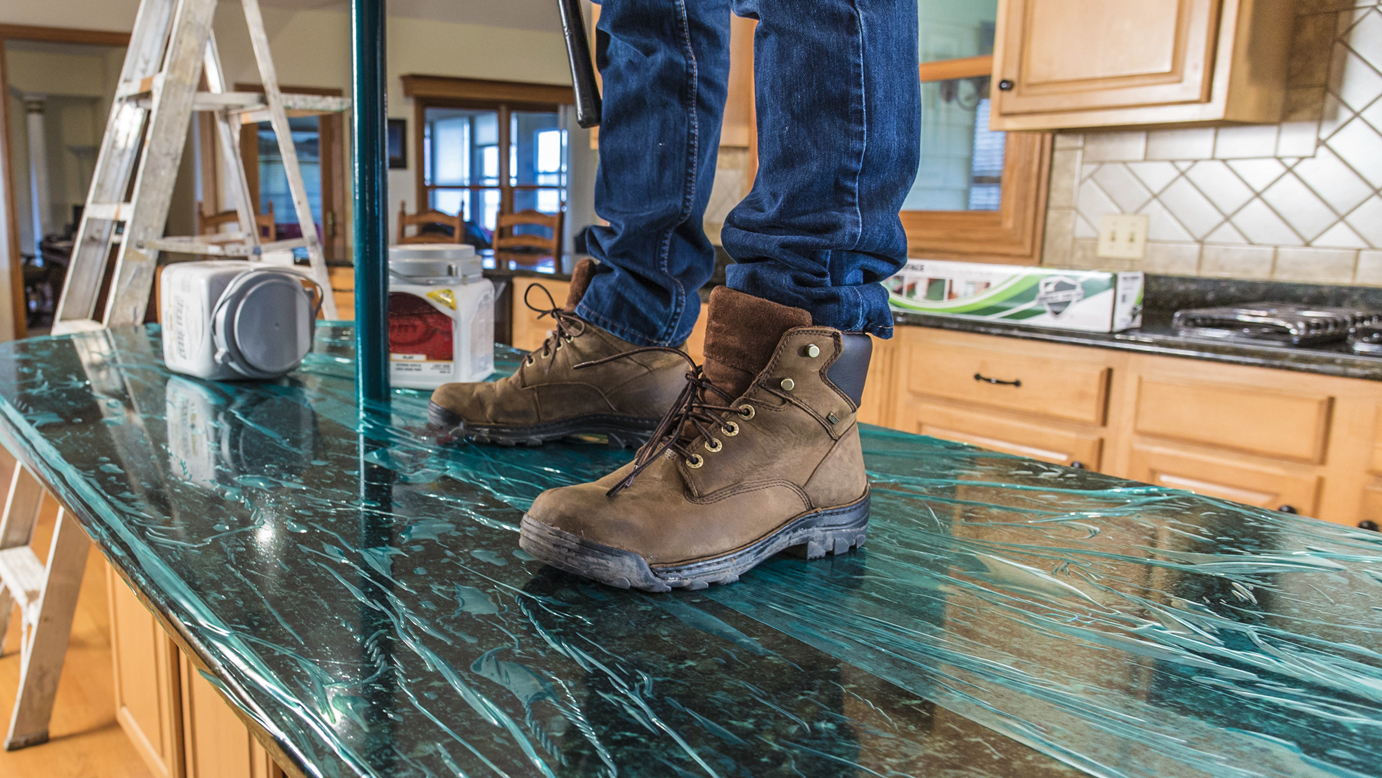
(1284, 324)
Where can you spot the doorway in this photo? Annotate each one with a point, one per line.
(58, 85)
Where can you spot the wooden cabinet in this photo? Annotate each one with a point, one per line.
(147, 698)
(1273, 486)
(1093, 63)
(1051, 404)
(178, 721)
(1253, 435)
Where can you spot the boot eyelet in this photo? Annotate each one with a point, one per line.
(568, 338)
(695, 461)
(730, 429)
(747, 411)
(530, 360)
(713, 445)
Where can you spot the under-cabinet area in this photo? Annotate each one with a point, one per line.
(1276, 439)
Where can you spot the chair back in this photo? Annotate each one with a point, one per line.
(506, 240)
(456, 223)
(210, 225)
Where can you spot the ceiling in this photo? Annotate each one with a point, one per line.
(518, 14)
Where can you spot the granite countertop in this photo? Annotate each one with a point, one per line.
(1167, 294)
(354, 586)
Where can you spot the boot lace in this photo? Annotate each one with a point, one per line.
(699, 411)
(568, 327)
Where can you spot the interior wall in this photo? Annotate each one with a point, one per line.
(1296, 201)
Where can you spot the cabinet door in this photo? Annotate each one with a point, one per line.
(147, 699)
(1003, 434)
(218, 745)
(1071, 55)
(1227, 477)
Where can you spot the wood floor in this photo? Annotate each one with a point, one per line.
(86, 742)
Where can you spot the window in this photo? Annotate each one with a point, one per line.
(489, 148)
(979, 194)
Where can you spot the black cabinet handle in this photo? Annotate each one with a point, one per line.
(999, 382)
(1005, 85)
(1288, 509)
(1369, 524)
(1078, 465)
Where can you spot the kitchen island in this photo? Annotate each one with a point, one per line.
(355, 589)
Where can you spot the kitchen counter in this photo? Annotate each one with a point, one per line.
(1156, 336)
(355, 588)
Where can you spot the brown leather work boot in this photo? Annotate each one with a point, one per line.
(548, 398)
(760, 454)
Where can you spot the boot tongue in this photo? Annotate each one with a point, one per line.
(742, 332)
(580, 281)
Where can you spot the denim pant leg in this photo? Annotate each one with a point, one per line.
(666, 69)
(839, 127)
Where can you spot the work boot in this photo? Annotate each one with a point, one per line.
(760, 454)
(551, 396)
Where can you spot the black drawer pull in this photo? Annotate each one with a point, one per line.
(997, 381)
(1288, 509)
(1005, 85)
(1368, 524)
(1078, 465)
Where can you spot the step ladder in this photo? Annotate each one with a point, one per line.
(47, 600)
(170, 49)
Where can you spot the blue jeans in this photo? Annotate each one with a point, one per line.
(839, 118)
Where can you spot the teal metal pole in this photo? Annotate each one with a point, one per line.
(369, 161)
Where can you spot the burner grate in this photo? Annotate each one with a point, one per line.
(1282, 323)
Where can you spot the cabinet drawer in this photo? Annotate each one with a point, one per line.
(1063, 389)
(1225, 477)
(1274, 424)
(1372, 503)
(1004, 435)
(528, 330)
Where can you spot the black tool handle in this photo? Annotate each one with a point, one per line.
(582, 69)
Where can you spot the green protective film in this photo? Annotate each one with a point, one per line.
(356, 587)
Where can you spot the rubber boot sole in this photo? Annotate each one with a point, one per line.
(812, 535)
(622, 431)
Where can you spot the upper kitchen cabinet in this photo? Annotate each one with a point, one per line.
(1100, 63)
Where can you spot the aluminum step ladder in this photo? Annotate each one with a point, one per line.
(47, 600)
(170, 49)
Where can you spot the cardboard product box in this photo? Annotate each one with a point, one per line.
(1089, 300)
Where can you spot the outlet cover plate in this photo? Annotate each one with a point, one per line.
(1123, 235)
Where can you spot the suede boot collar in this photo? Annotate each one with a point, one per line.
(742, 332)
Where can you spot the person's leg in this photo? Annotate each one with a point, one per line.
(665, 65)
(839, 123)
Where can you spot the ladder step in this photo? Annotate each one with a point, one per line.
(22, 574)
(201, 245)
(109, 211)
(69, 326)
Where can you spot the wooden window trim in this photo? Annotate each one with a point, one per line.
(1012, 234)
(472, 94)
(514, 92)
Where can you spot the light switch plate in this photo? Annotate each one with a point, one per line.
(1123, 235)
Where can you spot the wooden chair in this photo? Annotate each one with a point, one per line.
(506, 240)
(210, 225)
(421, 220)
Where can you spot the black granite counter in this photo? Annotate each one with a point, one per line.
(1167, 294)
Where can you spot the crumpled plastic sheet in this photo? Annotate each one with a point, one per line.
(357, 588)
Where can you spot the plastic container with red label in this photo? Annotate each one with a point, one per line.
(441, 316)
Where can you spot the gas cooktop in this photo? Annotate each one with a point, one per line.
(1284, 324)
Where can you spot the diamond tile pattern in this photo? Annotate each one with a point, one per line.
(1310, 191)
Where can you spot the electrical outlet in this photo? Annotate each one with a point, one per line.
(1123, 236)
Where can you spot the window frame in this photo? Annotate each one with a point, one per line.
(1013, 233)
(503, 97)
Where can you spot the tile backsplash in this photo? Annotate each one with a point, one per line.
(1296, 201)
